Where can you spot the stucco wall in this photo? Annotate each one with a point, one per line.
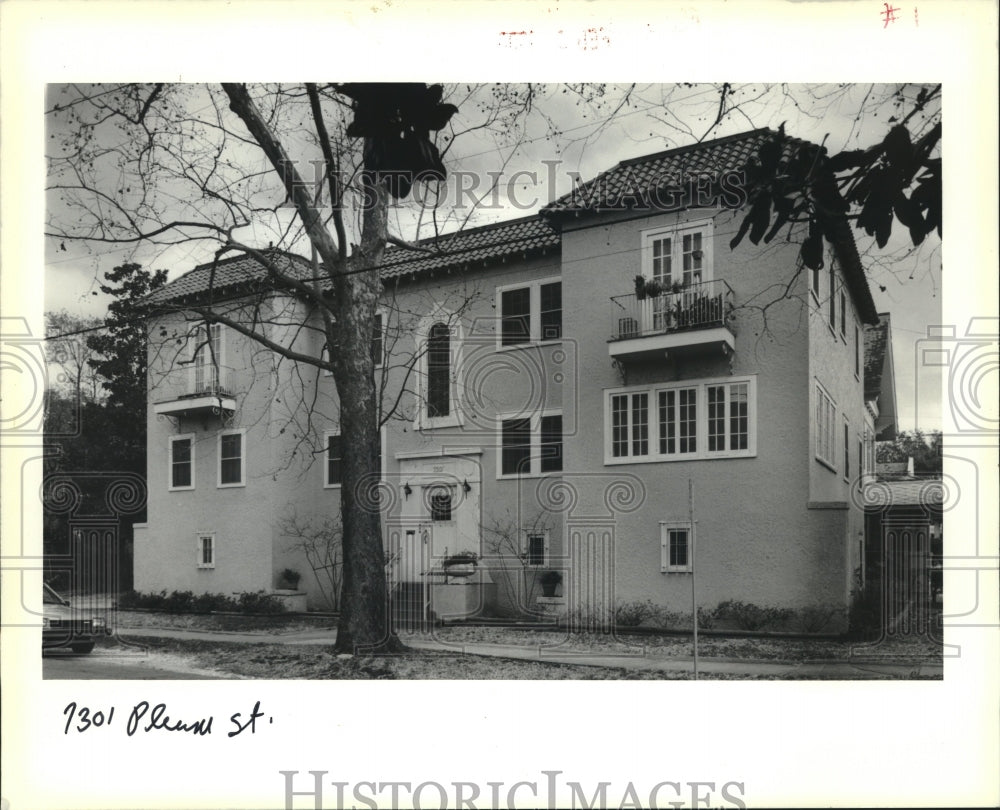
(756, 540)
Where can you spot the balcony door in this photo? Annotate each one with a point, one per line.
(208, 359)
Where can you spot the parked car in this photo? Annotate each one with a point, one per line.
(62, 626)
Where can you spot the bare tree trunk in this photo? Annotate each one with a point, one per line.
(354, 286)
(365, 620)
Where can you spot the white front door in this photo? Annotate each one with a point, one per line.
(440, 515)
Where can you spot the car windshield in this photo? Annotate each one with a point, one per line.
(50, 597)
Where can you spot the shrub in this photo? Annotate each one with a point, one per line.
(259, 602)
(748, 616)
(632, 614)
(815, 618)
(208, 602)
(864, 619)
(187, 602)
(179, 602)
(129, 600)
(707, 617)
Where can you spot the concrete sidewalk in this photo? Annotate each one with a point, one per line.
(870, 668)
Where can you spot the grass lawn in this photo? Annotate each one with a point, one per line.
(279, 661)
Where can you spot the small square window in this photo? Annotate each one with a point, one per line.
(206, 551)
(441, 505)
(535, 549)
(675, 548)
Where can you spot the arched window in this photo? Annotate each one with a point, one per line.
(439, 371)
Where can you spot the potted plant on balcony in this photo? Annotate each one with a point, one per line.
(653, 288)
(550, 581)
(640, 288)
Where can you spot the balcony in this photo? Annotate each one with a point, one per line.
(208, 392)
(689, 319)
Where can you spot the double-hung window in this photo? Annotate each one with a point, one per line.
(334, 457)
(181, 462)
(516, 449)
(825, 428)
(675, 547)
(531, 445)
(232, 458)
(684, 420)
(847, 450)
(530, 313)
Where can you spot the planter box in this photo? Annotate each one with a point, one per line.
(460, 598)
(294, 601)
(551, 605)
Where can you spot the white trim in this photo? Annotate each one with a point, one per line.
(241, 432)
(326, 458)
(846, 439)
(534, 444)
(824, 408)
(382, 312)
(170, 462)
(701, 420)
(198, 549)
(676, 233)
(658, 344)
(526, 547)
(666, 526)
(534, 288)
(438, 453)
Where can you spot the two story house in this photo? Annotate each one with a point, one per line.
(605, 394)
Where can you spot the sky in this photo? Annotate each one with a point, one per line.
(563, 137)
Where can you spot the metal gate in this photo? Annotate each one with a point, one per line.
(906, 594)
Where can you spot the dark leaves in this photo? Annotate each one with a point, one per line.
(811, 251)
(396, 120)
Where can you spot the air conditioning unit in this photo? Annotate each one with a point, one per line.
(628, 328)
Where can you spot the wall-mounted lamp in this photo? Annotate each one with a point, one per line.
(465, 486)
(406, 490)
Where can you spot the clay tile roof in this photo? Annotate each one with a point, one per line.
(231, 274)
(876, 342)
(473, 246)
(650, 171)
